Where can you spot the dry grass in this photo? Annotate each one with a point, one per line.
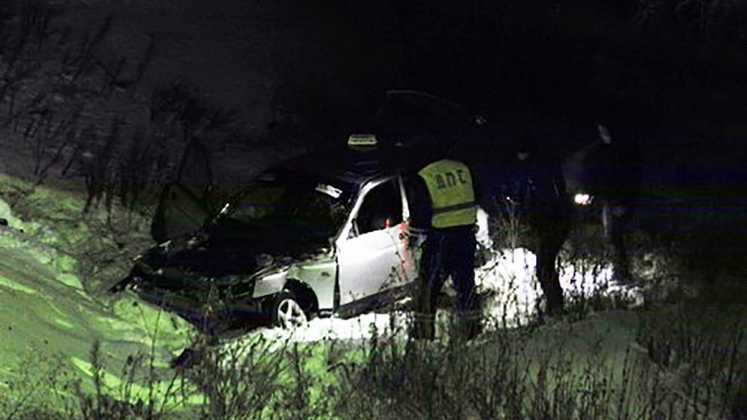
(688, 364)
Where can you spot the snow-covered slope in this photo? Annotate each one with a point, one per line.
(46, 315)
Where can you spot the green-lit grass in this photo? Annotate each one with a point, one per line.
(48, 320)
(602, 367)
(97, 246)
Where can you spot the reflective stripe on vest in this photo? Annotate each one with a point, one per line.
(452, 194)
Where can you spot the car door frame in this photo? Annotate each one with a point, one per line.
(345, 233)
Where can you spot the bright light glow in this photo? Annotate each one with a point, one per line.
(582, 199)
(483, 232)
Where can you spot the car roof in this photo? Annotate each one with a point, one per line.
(407, 124)
(354, 167)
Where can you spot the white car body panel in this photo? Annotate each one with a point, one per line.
(320, 277)
(363, 265)
(374, 261)
(366, 264)
(270, 284)
(369, 264)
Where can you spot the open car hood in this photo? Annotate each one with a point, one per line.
(231, 248)
(186, 204)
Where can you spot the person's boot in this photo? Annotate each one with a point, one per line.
(470, 329)
(621, 273)
(621, 278)
(555, 303)
(554, 299)
(467, 325)
(423, 327)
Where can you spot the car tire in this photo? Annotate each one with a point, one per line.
(287, 311)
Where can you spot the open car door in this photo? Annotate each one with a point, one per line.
(372, 256)
(189, 202)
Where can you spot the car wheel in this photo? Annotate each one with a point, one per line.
(287, 312)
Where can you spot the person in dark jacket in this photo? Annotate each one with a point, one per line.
(618, 187)
(442, 223)
(543, 200)
(610, 170)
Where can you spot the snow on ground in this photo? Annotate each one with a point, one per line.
(356, 328)
(46, 314)
(516, 293)
(514, 297)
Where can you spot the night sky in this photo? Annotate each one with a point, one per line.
(666, 74)
(520, 63)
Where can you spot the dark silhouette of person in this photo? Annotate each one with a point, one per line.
(617, 187)
(539, 184)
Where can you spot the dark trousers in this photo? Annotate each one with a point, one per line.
(446, 252)
(615, 218)
(550, 223)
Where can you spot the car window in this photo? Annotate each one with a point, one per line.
(308, 205)
(381, 208)
(258, 203)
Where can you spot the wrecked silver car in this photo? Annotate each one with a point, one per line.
(321, 234)
(304, 239)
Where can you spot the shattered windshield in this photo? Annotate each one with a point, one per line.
(313, 206)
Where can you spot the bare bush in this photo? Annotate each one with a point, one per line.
(687, 372)
(123, 402)
(700, 20)
(701, 348)
(77, 112)
(38, 392)
(238, 382)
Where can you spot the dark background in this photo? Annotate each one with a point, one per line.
(646, 61)
(670, 74)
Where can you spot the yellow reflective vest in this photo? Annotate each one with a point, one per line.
(452, 193)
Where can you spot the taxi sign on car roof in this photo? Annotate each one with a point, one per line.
(362, 141)
(329, 190)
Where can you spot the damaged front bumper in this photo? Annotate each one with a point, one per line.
(202, 300)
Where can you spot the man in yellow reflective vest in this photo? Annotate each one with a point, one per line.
(443, 211)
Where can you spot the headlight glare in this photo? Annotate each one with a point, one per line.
(583, 199)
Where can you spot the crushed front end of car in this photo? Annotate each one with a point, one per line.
(234, 269)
